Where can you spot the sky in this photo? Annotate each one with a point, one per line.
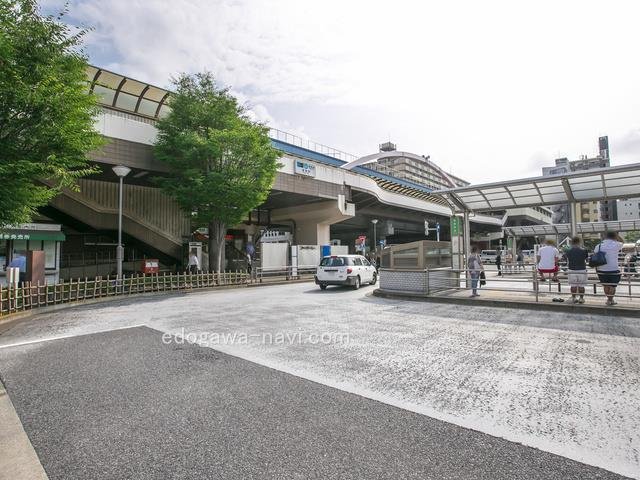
(491, 90)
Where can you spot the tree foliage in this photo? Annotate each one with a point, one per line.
(222, 165)
(46, 115)
(632, 236)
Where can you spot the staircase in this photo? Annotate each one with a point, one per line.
(149, 216)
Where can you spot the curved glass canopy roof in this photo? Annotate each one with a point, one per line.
(589, 185)
(565, 228)
(126, 94)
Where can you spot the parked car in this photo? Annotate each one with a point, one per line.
(353, 270)
(489, 256)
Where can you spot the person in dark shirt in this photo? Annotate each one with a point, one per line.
(499, 263)
(577, 263)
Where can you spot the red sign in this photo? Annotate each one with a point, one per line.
(150, 265)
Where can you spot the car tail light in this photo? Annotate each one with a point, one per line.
(349, 270)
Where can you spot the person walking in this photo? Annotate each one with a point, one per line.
(520, 260)
(547, 259)
(194, 263)
(609, 273)
(474, 269)
(577, 264)
(499, 262)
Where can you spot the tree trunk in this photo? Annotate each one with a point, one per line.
(217, 231)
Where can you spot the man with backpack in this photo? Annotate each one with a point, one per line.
(605, 259)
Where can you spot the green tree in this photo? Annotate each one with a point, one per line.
(632, 236)
(46, 115)
(222, 165)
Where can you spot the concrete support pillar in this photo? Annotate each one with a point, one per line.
(312, 233)
(313, 220)
(467, 243)
(574, 207)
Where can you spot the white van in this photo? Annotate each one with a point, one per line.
(488, 256)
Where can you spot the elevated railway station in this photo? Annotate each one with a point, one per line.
(321, 195)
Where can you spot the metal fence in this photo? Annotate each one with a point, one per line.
(530, 285)
(261, 274)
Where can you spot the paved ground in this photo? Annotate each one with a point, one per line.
(562, 383)
(125, 405)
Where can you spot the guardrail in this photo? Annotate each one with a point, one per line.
(260, 274)
(628, 287)
(456, 282)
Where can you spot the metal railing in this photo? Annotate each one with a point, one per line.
(261, 274)
(298, 141)
(531, 284)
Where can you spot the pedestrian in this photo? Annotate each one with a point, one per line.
(520, 260)
(474, 268)
(630, 261)
(577, 264)
(609, 273)
(194, 263)
(509, 262)
(249, 263)
(547, 259)
(499, 262)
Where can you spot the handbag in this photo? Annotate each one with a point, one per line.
(598, 259)
(483, 279)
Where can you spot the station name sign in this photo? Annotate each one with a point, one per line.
(304, 168)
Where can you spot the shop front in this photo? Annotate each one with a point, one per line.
(17, 241)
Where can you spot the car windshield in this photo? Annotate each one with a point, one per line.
(333, 262)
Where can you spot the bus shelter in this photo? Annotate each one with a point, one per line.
(611, 183)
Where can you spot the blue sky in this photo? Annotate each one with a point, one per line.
(491, 90)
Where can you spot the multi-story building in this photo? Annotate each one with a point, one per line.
(604, 210)
(417, 170)
(629, 209)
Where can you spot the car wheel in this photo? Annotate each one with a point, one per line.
(323, 287)
(356, 285)
(374, 279)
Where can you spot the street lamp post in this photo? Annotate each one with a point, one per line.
(375, 244)
(121, 171)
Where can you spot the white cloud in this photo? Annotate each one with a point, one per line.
(490, 89)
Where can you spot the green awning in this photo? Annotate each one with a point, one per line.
(32, 235)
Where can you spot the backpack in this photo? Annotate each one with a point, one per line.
(598, 259)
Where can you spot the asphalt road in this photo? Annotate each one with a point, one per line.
(125, 405)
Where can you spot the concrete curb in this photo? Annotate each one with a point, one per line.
(8, 321)
(540, 306)
(19, 460)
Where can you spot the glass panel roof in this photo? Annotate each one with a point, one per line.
(565, 228)
(592, 185)
(123, 93)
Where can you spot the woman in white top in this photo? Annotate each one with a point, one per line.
(609, 273)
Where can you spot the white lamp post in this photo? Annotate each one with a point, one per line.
(121, 171)
(375, 244)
